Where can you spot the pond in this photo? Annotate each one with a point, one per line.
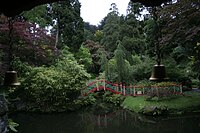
(120, 121)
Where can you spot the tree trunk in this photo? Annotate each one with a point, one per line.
(57, 34)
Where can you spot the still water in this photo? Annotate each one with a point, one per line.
(120, 121)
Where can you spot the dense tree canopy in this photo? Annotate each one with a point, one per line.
(67, 23)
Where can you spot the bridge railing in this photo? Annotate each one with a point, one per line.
(134, 90)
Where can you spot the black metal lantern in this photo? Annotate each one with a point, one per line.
(10, 78)
(158, 73)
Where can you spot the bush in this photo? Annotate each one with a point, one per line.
(164, 91)
(186, 83)
(53, 88)
(195, 83)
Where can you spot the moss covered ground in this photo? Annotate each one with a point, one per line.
(188, 102)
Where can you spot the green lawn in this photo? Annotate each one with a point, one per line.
(189, 102)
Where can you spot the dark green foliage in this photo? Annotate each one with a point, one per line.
(159, 94)
(69, 26)
(28, 42)
(62, 19)
(115, 99)
(112, 74)
(103, 102)
(111, 30)
(149, 29)
(119, 56)
(89, 31)
(103, 59)
(54, 88)
(84, 57)
(196, 61)
(195, 83)
(180, 28)
(131, 30)
(37, 15)
(12, 125)
(94, 51)
(178, 24)
(142, 67)
(154, 110)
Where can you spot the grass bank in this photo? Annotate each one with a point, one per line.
(189, 102)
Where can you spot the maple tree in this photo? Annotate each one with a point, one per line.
(30, 42)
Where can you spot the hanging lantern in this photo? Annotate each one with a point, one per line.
(158, 73)
(10, 79)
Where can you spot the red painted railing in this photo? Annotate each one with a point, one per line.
(102, 84)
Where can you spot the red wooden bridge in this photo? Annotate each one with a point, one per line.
(134, 90)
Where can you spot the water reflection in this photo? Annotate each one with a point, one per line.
(116, 122)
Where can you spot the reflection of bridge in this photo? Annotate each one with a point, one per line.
(133, 90)
(104, 120)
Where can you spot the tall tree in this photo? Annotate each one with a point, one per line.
(131, 31)
(25, 41)
(179, 31)
(67, 24)
(37, 15)
(94, 49)
(183, 19)
(111, 29)
(153, 33)
(103, 60)
(84, 57)
(89, 31)
(119, 56)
